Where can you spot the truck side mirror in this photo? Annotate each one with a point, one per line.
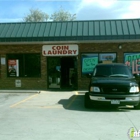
(89, 75)
(136, 75)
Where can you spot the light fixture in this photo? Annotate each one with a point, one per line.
(120, 47)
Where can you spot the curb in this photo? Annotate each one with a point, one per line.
(33, 91)
(19, 91)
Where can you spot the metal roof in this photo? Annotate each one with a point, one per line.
(70, 30)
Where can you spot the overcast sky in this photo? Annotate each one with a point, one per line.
(15, 10)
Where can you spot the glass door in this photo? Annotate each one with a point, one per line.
(62, 72)
(54, 72)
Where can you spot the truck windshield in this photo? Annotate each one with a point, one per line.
(112, 71)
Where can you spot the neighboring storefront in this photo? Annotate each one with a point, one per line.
(59, 55)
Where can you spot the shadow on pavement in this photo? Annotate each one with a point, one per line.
(76, 102)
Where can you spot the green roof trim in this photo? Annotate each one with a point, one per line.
(70, 30)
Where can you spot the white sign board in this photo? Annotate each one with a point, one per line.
(18, 83)
(13, 67)
(3, 61)
(60, 50)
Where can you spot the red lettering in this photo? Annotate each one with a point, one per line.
(49, 52)
(53, 47)
(54, 52)
(44, 52)
(127, 63)
(64, 52)
(133, 67)
(74, 51)
(60, 52)
(66, 47)
(58, 47)
(69, 51)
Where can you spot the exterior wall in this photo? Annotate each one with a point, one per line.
(26, 83)
(41, 83)
(83, 81)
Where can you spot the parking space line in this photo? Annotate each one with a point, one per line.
(30, 97)
(43, 107)
(73, 99)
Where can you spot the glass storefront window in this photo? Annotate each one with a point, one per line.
(54, 72)
(110, 57)
(23, 65)
(90, 60)
(62, 72)
(133, 61)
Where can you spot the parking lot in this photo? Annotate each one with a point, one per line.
(61, 115)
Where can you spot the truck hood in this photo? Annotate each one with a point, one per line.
(113, 81)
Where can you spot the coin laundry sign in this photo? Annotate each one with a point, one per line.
(60, 50)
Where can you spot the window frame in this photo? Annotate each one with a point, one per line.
(135, 68)
(22, 64)
(96, 54)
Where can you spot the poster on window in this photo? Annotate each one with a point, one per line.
(13, 68)
(107, 57)
(133, 61)
(89, 61)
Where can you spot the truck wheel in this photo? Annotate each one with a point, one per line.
(87, 101)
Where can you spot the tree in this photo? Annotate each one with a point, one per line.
(62, 15)
(36, 15)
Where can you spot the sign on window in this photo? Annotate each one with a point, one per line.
(13, 68)
(133, 61)
(89, 62)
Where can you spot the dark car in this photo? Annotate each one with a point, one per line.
(114, 85)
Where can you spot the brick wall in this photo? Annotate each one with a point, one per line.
(41, 83)
(103, 47)
(26, 83)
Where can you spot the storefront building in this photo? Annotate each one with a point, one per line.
(59, 55)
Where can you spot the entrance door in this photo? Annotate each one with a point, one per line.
(54, 72)
(67, 72)
(62, 72)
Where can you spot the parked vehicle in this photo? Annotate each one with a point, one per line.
(114, 85)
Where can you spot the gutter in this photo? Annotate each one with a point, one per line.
(70, 42)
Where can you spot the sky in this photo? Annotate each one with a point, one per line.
(16, 10)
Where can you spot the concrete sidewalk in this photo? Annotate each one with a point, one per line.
(38, 91)
(19, 91)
